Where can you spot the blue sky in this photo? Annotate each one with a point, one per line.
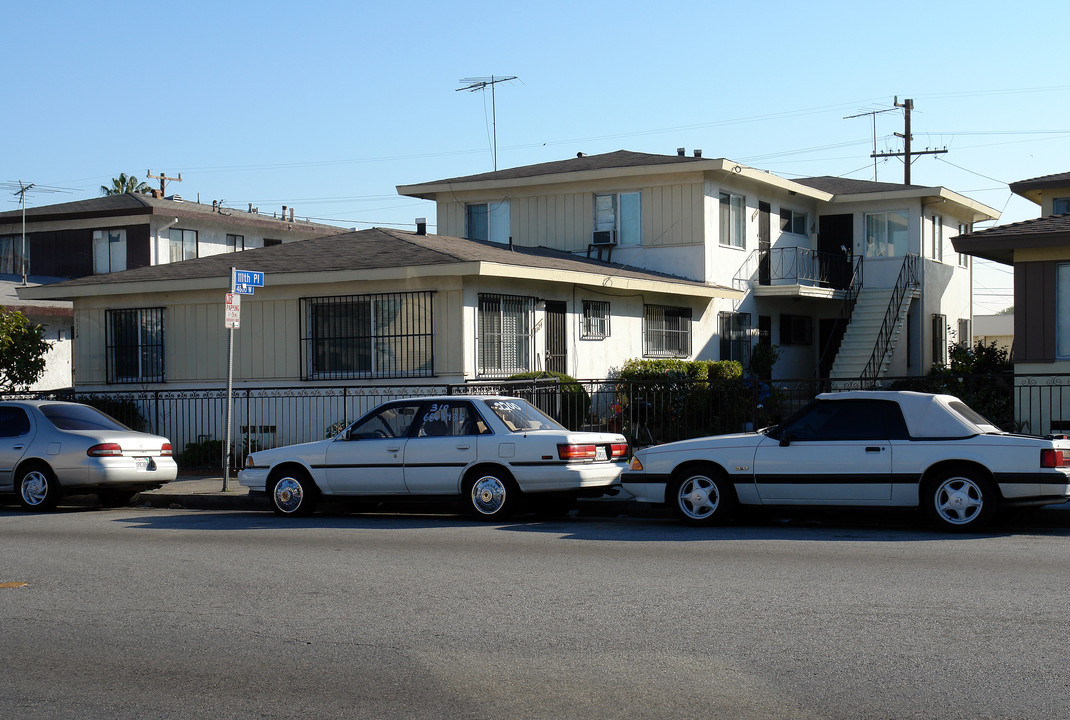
(327, 106)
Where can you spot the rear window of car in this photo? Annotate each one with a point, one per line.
(79, 417)
(520, 416)
(974, 417)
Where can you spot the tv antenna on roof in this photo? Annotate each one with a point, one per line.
(481, 83)
(24, 189)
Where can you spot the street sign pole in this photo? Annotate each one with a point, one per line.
(230, 389)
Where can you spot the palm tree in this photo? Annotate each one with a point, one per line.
(125, 184)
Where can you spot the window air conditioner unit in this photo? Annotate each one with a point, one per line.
(604, 237)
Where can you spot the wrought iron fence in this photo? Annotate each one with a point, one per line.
(646, 412)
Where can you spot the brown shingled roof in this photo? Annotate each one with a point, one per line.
(999, 243)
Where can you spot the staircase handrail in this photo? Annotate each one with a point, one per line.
(854, 287)
(907, 280)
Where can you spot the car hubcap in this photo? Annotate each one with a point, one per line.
(34, 488)
(698, 497)
(488, 495)
(958, 500)
(288, 495)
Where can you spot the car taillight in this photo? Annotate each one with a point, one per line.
(618, 450)
(576, 452)
(104, 450)
(1053, 459)
(166, 449)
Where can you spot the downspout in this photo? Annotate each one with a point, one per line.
(159, 232)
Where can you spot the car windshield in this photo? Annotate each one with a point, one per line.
(521, 416)
(80, 417)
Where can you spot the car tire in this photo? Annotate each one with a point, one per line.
(701, 495)
(117, 498)
(38, 488)
(960, 499)
(491, 495)
(293, 494)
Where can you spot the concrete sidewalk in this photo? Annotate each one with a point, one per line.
(203, 493)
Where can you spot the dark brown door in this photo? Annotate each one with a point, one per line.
(556, 348)
(764, 236)
(835, 243)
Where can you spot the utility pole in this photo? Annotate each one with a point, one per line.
(907, 106)
(474, 84)
(23, 189)
(162, 177)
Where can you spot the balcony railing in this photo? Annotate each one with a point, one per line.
(795, 266)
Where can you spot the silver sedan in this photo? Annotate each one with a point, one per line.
(49, 449)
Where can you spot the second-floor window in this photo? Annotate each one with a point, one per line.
(376, 336)
(183, 244)
(11, 256)
(109, 250)
(733, 216)
(964, 259)
(621, 214)
(135, 349)
(504, 335)
(487, 221)
(793, 221)
(886, 234)
(666, 331)
(938, 238)
(235, 243)
(1060, 205)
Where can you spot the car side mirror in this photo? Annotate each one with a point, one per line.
(785, 438)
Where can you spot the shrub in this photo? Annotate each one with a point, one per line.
(203, 454)
(575, 400)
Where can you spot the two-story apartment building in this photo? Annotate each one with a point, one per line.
(111, 234)
(805, 253)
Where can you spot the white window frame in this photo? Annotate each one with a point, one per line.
(625, 210)
(732, 220)
(964, 259)
(885, 245)
(797, 221)
(235, 243)
(109, 250)
(497, 226)
(937, 231)
(667, 331)
(595, 321)
(505, 334)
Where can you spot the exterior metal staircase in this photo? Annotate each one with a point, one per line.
(876, 323)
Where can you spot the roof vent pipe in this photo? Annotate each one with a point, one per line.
(681, 151)
(291, 214)
(421, 226)
(283, 212)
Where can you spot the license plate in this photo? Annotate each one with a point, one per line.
(141, 464)
(600, 453)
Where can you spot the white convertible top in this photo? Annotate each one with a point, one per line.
(926, 415)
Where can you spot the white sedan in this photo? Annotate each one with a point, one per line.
(861, 448)
(492, 452)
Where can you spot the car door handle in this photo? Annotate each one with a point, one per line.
(463, 447)
(18, 447)
(393, 449)
(874, 449)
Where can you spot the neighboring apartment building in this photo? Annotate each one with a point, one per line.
(120, 232)
(1039, 251)
(804, 252)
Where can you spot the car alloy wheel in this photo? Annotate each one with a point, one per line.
(961, 501)
(38, 489)
(702, 496)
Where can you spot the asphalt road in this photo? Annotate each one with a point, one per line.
(157, 613)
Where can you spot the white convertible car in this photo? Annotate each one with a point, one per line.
(492, 452)
(871, 448)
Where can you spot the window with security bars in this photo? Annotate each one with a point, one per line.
(368, 336)
(505, 335)
(735, 331)
(666, 331)
(135, 349)
(595, 320)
